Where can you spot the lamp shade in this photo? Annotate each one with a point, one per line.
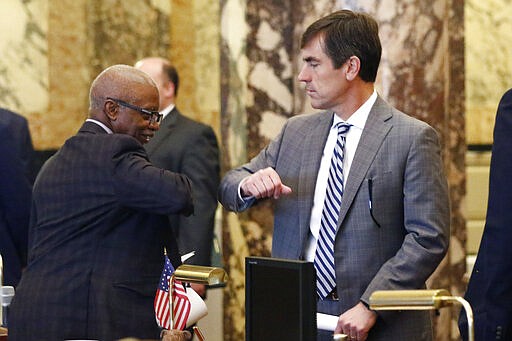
(420, 300)
(409, 299)
(210, 276)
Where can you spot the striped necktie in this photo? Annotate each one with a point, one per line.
(324, 257)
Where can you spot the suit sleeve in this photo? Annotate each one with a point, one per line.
(15, 197)
(201, 164)
(490, 286)
(141, 185)
(426, 218)
(498, 235)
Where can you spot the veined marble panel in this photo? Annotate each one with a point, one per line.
(24, 56)
(195, 53)
(69, 73)
(124, 31)
(488, 64)
(85, 37)
(234, 70)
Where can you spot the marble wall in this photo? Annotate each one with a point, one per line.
(194, 48)
(422, 73)
(24, 78)
(54, 50)
(488, 31)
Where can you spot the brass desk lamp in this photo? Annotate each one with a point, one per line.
(209, 276)
(420, 300)
(206, 275)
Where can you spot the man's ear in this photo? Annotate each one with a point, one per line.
(168, 89)
(353, 65)
(111, 109)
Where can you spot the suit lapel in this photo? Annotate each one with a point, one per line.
(314, 145)
(374, 132)
(166, 127)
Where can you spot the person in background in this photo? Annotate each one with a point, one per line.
(185, 146)
(490, 285)
(18, 130)
(15, 196)
(359, 188)
(99, 223)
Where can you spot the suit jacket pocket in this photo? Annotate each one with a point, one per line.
(381, 198)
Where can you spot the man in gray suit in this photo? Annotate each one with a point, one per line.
(185, 146)
(393, 224)
(99, 223)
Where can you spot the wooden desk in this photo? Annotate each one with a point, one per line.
(3, 334)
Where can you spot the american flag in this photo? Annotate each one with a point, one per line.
(162, 311)
(181, 303)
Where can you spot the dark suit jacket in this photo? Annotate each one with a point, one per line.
(188, 147)
(410, 202)
(490, 286)
(97, 233)
(17, 126)
(15, 193)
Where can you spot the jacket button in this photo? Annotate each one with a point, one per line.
(499, 330)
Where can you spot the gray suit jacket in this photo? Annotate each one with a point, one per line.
(401, 156)
(188, 147)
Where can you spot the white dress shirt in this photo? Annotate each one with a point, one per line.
(357, 120)
(167, 110)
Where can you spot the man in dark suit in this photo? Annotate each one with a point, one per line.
(17, 127)
(185, 146)
(490, 286)
(391, 228)
(99, 223)
(15, 193)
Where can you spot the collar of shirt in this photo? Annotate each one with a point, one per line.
(167, 110)
(107, 129)
(359, 117)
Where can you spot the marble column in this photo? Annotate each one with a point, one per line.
(55, 48)
(488, 64)
(85, 37)
(194, 49)
(421, 73)
(24, 61)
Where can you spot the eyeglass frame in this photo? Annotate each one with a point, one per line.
(154, 116)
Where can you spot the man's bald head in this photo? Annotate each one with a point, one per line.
(121, 98)
(152, 63)
(165, 76)
(117, 81)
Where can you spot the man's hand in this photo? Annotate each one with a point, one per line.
(176, 335)
(356, 322)
(265, 183)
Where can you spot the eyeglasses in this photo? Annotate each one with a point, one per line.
(152, 116)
